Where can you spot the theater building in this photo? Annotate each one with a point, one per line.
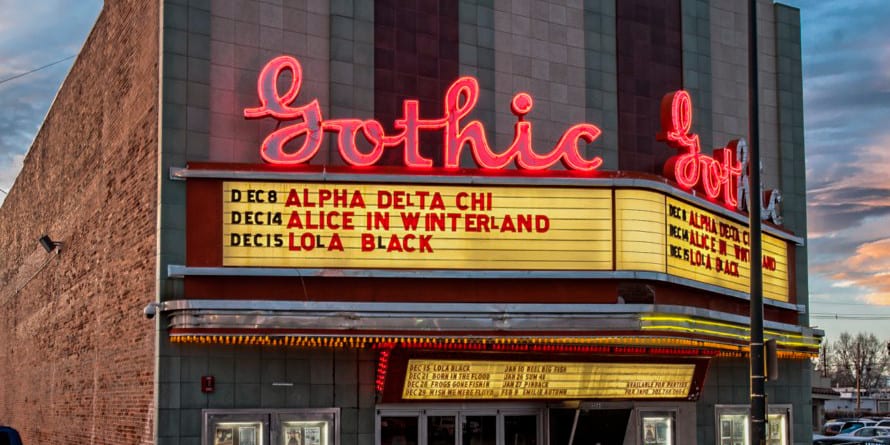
(418, 222)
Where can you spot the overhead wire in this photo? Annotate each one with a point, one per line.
(16, 76)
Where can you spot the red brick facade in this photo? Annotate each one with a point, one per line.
(76, 355)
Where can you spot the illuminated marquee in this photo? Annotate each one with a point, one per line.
(460, 99)
(707, 248)
(348, 225)
(465, 379)
(340, 225)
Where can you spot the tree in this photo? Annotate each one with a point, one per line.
(864, 356)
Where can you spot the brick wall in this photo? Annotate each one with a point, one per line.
(76, 355)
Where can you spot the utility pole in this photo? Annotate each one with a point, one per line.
(858, 377)
(758, 390)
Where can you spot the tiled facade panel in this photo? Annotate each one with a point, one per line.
(415, 57)
(212, 54)
(768, 99)
(477, 59)
(228, 46)
(539, 49)
(729, 83)
(244, 377)
(650, 65)
(224, 49)
(729, 68)
(791, 135)
(601, 79)
(352, 63)
(727, 384)
(697, 65)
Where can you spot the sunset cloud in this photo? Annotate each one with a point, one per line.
(860, 193)
(869, 269)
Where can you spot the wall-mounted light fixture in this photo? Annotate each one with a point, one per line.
(48, 244)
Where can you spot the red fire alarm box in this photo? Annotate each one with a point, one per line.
(207, 384)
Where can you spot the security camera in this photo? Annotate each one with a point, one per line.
(150, 310)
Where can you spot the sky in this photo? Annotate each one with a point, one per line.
(846, 58)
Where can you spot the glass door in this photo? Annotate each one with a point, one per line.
(440, 426)
(479, 429)
(441, 429)
(398, 428)
(520, 429)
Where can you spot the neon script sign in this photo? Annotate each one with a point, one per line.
(692, 169)
(306, 122)
(725, 173)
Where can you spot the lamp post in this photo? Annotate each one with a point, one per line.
(758, 378)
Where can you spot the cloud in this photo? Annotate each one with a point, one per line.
(846, 69)
(858, 192)
(869, 268)
(846, 82)
(34, 34)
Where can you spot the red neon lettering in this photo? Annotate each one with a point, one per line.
(691, 169)
(460, 100)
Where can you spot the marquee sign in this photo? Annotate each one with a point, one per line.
(379, 226)
(712, 249)
(469, 379)
(465, 227)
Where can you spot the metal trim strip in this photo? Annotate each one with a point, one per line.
(181, 271)
(497, 316)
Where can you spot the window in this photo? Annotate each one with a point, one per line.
(265, 427)
(657, 428)
(733, 420)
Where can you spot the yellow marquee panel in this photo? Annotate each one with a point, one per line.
(639, 230)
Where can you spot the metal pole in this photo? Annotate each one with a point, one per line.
(758, 395)
(574, 425)
(858, 368)
(858, 392)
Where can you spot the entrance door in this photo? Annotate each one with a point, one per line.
(593, 427)
(520, 429)
(479, 429)
(460, 427)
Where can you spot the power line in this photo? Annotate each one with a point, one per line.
(36, 69)
(863, 317)
(849, 303)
